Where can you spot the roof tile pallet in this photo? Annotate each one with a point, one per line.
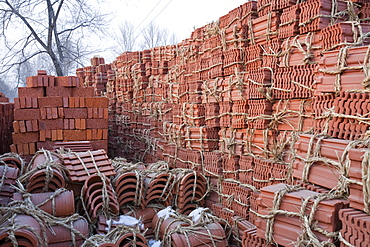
(286, 229)
(260, 64)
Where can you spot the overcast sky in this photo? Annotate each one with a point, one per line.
(178, 16)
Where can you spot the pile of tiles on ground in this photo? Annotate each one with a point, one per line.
(253, 100)
(6, 120)
(56, 109)
(120, 205)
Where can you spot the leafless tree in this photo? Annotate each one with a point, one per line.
(153, 36)
(126, 36)
(53, 30)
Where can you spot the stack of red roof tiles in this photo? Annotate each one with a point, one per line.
(270, 103)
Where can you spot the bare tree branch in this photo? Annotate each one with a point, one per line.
(47, 27)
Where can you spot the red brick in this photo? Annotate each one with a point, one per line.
(16, 127)
(31, 92)
(101, 112)
(71, 102)
(89, 112)
(88, 134)
(105, 113)
(22, 126)
(95, 112)
(49, 114)
(26, 114)
(82, 101)
(83, 92)
(20, 148)
(61, 81)
(78, 123)
(40, 81)
(32, 147)
(66, 124)
(41, 72)
(43, 114)
(42, 136)
(35, 102)
(54, 135)
(51, 80)
(83, 124)
(35, 125)
(67, 81)
(65, 101)
(53, 101)
(22, 102)
(50, 124)
(97, 123)
(74, 135)
(60, 112)
(17, 104)
(28, 102)
(26, 150)
(13, 148)
(48, 134)
(72, 124)
(32, 81)
(29, 125)
(58, 91)
(77, 102)
(21, 138)
(92, 102)
(60, 135)
(105, 134)
(94, 134)
(54, 112)
(75, 112)
(100, 134)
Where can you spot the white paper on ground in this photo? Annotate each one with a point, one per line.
(197, 213)
(165, 213)
(153, 243)
(125, 220)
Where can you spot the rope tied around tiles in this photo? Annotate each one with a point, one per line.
(11, 227)
(44, 219)
(366, 181)
(3, 177)
(313, 155)
(308, 55)
(308, 238)
(115, 234)
(50, 198)
(15, 156)
(191, 230)
(49, 165)
(330, 114)
(212, 92)
(249, 186)
(275, 210)
(341, 66)
(333, 14)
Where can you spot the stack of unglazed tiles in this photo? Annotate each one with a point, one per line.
(55, 109)
(265, 95)
(6, 120)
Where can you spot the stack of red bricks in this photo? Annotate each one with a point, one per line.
(6, 120)
(56, 109)
(255, 99)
